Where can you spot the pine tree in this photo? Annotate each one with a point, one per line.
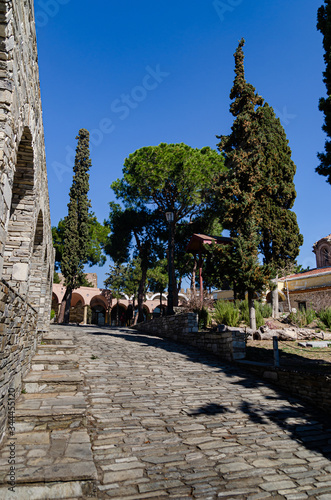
(324, 26)
(257, 191)
(76, 232)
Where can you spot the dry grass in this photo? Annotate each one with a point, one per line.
(308, 359)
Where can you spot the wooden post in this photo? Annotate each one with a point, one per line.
(200, 278)
(276, 351)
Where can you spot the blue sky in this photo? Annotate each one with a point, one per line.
(139, 73)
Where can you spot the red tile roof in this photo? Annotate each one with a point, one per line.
(312, 272)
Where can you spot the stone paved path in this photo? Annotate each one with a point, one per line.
(168, 422)
(165, 421)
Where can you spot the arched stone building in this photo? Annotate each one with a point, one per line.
(26, 251)
(322, 250)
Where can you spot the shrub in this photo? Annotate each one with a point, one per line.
(53, 314)
(302, 317)
(204, 318)
(325, 316)
(311, 315)
(266, 309)
(226, 313)
(245, 313)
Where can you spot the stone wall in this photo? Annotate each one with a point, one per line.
(314, 299)
(26, 251)
(314, 388)
(18, 338)
(183, 328)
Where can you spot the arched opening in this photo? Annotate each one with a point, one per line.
(99, 309)
(76, 309)
(55, 306)
(37, 264)
(281, 300)
(20, 223)
(118, 315)
(159, 311)
(325, 257)
(146, 314)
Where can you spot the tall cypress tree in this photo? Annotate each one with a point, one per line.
(324, 26)
(257, 191)
(76, 233)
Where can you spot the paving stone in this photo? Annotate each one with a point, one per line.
(165, 421)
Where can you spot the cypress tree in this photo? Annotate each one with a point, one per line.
(76, 232)
(324, 26)
(257, 191)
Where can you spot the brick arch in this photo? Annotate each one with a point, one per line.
(21, 215)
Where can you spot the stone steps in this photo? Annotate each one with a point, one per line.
(54, 362)
(57, 338)
(52, 381)
(52, 349)
(52, 410)
(53, 455)
(71, 490)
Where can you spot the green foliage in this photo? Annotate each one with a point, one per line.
(56, 278)
(226, 313)
(144, 227)
(76, 228)
(158, 277)
(204, 318)
(169, 176)
(256, 192)
(324, 26)
(53, 314)
(325, 316)
(303, 317)
(266, 309)
(117, 280)
(86, 283)
(97, 239)
(244, 311)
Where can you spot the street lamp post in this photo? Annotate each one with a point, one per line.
(170, 308)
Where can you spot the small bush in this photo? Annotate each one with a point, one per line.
(325, 316)
(244, 309)
(226, 313)
(53, 314)
(302, 317)
(266, 309)
(311, 315)
(204, 318)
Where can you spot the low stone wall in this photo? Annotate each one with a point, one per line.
(18, 342)
(314, 388)
(183, 328)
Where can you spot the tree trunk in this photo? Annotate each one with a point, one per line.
(194, 270)
(251, 307)
(288, 295)
(65, 307)
(174, 283)
(141, 293)
(274, 301)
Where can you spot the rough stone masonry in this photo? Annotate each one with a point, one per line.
(26, 251)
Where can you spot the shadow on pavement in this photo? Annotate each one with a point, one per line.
(315, 431)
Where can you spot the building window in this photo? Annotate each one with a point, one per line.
(325, 257)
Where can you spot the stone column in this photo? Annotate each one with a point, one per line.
(85, 315)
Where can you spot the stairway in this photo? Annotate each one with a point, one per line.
(53, 456)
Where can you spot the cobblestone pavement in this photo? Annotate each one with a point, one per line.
(168, 422)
